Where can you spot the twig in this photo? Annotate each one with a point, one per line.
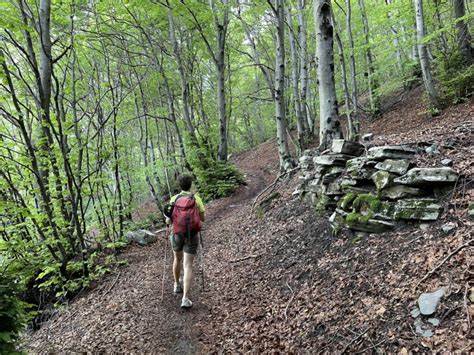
(444, 260)
(353, 340)
(467, 309)
(113, 284)
(272, 185)
(245, 258)
(372, 347)
(289, 302)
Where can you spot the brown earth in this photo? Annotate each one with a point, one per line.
(281, 281)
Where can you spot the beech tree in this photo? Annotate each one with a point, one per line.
(329, 126)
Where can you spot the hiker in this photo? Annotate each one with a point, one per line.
(186, 217)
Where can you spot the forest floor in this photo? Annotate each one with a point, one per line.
(281, 281)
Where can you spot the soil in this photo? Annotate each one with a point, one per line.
(278, 280)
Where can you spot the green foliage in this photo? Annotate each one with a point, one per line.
(457, 80)
(218, 180)
(13, 314)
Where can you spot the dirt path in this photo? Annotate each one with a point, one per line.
(125, 312)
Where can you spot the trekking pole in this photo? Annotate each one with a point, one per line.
(164, 267)
(202, 262)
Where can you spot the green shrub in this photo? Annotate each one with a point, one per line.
(13, 315)
(220, 179)
(457, 80)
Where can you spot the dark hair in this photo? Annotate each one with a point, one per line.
(185, 182)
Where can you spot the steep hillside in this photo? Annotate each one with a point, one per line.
(277, 279)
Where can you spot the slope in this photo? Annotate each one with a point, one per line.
(280, 281)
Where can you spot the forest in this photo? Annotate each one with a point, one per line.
(104, 103)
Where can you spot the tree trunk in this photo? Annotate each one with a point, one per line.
(373, 84)
(283, 149)
(351, 59)
(329, 128)
(301, 124)
(304, 66)
(423, 55)
(463, 35)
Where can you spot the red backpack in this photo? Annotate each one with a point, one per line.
(185, 215)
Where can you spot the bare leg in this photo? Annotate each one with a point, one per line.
(188, 273)
(178, 258)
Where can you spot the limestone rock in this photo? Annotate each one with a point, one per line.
(141, 237)
(447, 162)
(332, 159)
(401, 191)
(420, 329)
(368, 137)
(396, 166)
(359, 163)
(370, 226)
(332, 174)
(432, 176)
(391, 152)
(421, 209)
(428, 302)
(365, 189)
(448, 228)
(341, 146)
(382, 179)
(306, 162)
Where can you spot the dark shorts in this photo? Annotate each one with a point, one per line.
(182, 242)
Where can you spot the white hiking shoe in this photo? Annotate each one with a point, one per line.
(186, 303)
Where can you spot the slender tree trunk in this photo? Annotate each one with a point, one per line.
(301, 123)
(352, 65)
(463, 35)
(423, 54)
(329, 128)
(373, 84)
(283, 149)
(304, 65)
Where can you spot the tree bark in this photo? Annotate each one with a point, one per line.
(373, 84)
(283, 149)
(423, 55)
(329, 128)
(463, 35)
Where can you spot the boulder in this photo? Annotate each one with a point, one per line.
(401, 191)
(431, 176)
(428, 302)
(391, 152)
(141, 237)
(332, 159)
(341, 146)
(382, 179)
(421, 209)
(396, 166)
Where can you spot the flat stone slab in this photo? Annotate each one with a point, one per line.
(391, 152)
(342, 146)
(306, 162)
(371, 226)
(431, 176)
(428, 302)
(401, 191)
(418, 209)
(332, 159)
(359, 163)
(396, 166)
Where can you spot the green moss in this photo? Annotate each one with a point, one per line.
(346, 202)
(355, 217)
(321, 205)
(367, 202)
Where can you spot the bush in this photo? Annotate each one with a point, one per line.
(13, 315)
(219, 180)
(457, 80)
